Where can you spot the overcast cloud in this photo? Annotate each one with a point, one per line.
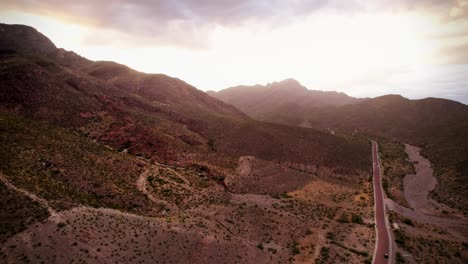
(178, 22)
(247, 42)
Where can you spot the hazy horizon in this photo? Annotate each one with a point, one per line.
(364, 49)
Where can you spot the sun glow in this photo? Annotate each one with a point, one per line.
(326, 51)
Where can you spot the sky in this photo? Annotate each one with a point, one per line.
(417, 48)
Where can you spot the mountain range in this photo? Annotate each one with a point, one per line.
(281, 102)
(105, 164)
(437, 125)
(95, 139)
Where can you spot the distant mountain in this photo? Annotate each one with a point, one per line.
(281, 102)
(393, 116)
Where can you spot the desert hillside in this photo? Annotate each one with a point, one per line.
(340, 138)
(102, 163)
(151, 115)
(436, 125)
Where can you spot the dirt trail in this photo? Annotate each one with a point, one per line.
(57, 216)
(54, 215)
(141, 184)
(62, 216)
(318, 246)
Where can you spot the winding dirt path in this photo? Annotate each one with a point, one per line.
(142, 183)
(54, 215)
(62, 216)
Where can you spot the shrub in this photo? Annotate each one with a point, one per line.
(260, 246)
(211, 144)
(331, 236)
(343, 218)
(295, 248)
(324, 253)
(357, 219)
(399, 258)
(400, 238)
(408, 221)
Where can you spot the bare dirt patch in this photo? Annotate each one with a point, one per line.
(204, 224)
(108, 236)
(265, 177)
(343, 232)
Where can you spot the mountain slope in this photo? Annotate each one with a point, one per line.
(437, 125)
(282, 102)
(414, 121)
(152, 115)
(133, 167)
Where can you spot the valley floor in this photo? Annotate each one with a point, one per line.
(426, 231)
(321, 222)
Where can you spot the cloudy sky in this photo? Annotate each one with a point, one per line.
(417, 48)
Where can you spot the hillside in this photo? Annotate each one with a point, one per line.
(152, 115)
(284, 102)
(102, 205)
(116, 165)
(437, 125)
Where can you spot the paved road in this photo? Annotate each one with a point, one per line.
(382, 245)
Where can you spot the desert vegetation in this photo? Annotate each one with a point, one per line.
(396, 166)
(105, 164)
(103, 214)
(423, 243)
(17, 212)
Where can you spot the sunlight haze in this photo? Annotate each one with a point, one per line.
(363, 50)
(234, 131)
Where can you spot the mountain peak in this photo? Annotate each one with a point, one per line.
(391, 98)
(289, 84)
(24, 39)
(289, 81)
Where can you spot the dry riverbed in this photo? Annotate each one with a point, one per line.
(428, 231)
